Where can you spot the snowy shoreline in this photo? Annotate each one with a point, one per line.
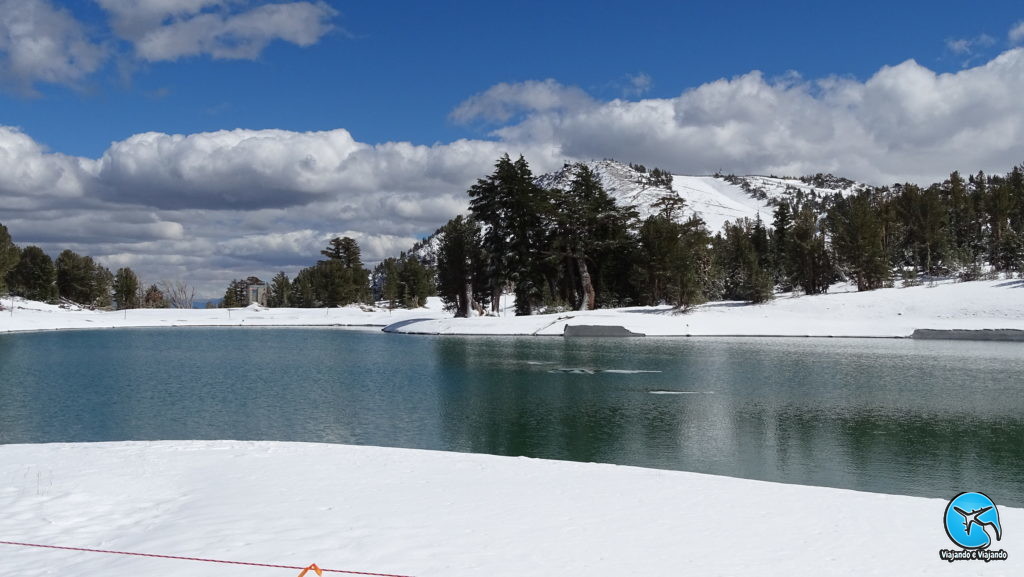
(427, 513)
(995, 305)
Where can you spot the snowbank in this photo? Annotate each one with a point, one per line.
(36, 316)
(439, 514)
(842, 312)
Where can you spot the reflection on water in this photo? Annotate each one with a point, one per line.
(922, 418)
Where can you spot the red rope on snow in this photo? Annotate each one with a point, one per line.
(193, 559)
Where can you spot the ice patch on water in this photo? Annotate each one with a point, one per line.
(582, 371)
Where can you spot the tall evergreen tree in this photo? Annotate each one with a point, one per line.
(9, 256)
(857, 238)
(82, 280)
(126, 289)
(924, 217)
(280, 291)
(390, 284)
(587, 224)
(345, 250)
(236, 295)
(810, 265)
(779, 245)
(462, 267)
(743, 276)
(510, 207)
(34, 277)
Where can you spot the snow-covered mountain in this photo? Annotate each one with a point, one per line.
(716, 199)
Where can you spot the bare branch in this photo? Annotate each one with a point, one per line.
(179, 294)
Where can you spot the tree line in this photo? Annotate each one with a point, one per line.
(575, 248)
(32, 274)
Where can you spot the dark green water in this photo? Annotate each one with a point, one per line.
(927, 418)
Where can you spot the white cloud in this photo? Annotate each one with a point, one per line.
(638, 84)
(905, 122)
(30, 176)
(214, 206)
(229, 29)
(1017, 33)
(503, 101)
(968, 46)
(41, 43)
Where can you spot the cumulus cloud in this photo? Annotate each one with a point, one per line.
(905, 122)
(227, 29)
(503, 101)
(29, 175)
(41, 43)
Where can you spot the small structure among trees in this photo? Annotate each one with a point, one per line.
(244, 292)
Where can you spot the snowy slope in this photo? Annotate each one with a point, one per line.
(716, 199)
(433, 514)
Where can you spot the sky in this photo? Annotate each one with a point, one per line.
(206, 140)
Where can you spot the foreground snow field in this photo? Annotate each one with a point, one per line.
(427, 513)
(893, 312)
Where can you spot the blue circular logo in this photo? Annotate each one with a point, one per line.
(968, 519)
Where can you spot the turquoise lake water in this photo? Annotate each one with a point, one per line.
(928, 418)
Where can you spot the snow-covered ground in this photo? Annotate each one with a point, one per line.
(843, 312)
(424, 513)
(35, 316)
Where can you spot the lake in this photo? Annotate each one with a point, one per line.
(926, 418)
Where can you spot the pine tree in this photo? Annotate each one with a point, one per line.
(744, 278)
(82, 280)
(391, 285)
(857, 238)
(586, 226)
(126, 289)
(779, 245)
(462, 281)
(810, 264)
(303, 294)
(999, 209)
(280, 291)
(510, 207)
(416, 281)
(34, 277)
(236, 295)
(341, 279)
(692, 268)
(9, 256)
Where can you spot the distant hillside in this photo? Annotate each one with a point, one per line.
(716, 199)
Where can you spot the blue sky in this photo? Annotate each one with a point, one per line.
(392, 71)
(208, 140)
